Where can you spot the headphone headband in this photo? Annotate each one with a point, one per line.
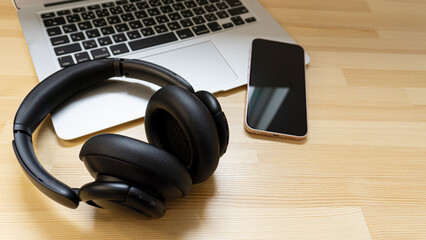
(56, 89)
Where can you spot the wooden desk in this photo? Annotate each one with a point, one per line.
(360, 173)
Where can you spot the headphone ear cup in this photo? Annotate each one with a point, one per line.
(137, 163)
(177, 121)
(211, 102)
(122, 198)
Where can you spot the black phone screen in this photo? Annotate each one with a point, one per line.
(276, 98)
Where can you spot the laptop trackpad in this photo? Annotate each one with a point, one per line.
(202, 65)
(115, 102)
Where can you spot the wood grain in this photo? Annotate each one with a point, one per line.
(360, 174)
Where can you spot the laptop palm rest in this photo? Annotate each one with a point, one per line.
(101, 106)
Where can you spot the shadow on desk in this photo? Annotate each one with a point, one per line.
(85, 222)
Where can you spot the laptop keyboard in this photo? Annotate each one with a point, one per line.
(118, 27)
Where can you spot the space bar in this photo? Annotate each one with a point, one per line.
(152, 41)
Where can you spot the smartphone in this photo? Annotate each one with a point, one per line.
(276, 94)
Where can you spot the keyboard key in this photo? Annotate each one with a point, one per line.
(119, 49)
(47, 15)
(166, 9)
(108, 4)
(78, 10)
(54, 31)
(82, 57)
(186, 23)
(202, 2)
(250, 19)
(129, 8)
(59, 40)
(214, 26)
(77, 36)
(222, 6)
(142, 5)
(175, 16)
(73, 18)
(102, 13)
(113, 20)
(54, 21)
(227, 25)
(107, 30)
(199, 11)
(100, 53)
(65, 61)
(237, 20)
(141, 14)
(122, 27)
(162, 19)
(89, 44)
(161, 28)
(237, 11)
(88, 15)
(134, 35)
(154, 3)
(119, 37)
(99, 22)
(121, 2)
(63, 12)
(211, 8)
(149, 22)
(200, 30)
(94, 7)
(116, 10)
(135, 24)
(233, 3)
(210, 17)
(85, 25)
(93, 33)
(147, 32)
(178, 6)
(174, 26)
(187, 13)
(185, 33)
(103, 41)
(153, 11)
(153, 41)
(69, 28)
(190, 4)
(127, 17)
(198, 20)
(222, 14)
(67, 49)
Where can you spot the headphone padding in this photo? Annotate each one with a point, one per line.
(136, 162)
(189, 123)
(211, 102)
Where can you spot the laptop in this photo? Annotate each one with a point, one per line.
(205, 41)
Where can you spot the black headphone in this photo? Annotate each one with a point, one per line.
(187, 132)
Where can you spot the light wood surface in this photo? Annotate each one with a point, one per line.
(360, 174)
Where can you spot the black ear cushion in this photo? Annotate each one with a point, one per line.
(211, 102)
(177, 121)
(138, 163)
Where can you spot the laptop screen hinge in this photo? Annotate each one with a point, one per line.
(60, 3)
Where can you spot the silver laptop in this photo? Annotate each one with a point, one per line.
(205, 41)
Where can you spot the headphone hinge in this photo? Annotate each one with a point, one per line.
(19, 128)
(118, 67)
